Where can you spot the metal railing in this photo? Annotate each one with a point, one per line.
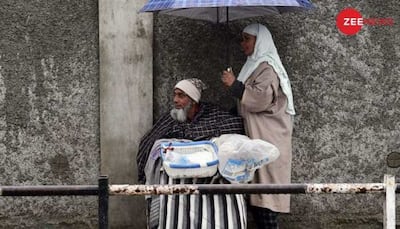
(103, 190)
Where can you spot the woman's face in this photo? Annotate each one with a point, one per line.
(248, 42)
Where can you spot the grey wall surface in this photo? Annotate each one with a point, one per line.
(126, 100)
(346, 93)
(49, 112)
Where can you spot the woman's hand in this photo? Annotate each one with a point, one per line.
(228, 78)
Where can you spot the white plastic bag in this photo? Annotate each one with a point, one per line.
(239, 157)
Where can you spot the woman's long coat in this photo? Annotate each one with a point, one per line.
(263, 107)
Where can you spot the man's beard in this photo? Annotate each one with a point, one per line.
(181, 114)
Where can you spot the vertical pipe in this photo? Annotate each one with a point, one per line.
(103, 202)
(389, 222)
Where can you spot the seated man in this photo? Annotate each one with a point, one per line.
(193, 120)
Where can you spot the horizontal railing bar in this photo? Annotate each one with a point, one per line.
(252, 188)
(85, 190)
(246, 189)
(49, 190)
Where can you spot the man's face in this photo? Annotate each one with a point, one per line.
(181, 100)
(248, 43)
(182, 105)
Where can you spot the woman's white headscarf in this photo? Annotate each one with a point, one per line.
(265, 51)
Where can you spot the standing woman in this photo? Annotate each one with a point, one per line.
(266, 104)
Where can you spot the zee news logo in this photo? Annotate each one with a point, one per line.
(349, 21)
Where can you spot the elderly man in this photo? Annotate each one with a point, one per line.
(193, 120)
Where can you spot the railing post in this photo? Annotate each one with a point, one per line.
(103, 202)
(389, 221)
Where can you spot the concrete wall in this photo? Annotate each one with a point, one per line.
(49, 112)
(125, 100)
(346, 93)
(60, 102)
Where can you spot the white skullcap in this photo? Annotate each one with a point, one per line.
(192, 87)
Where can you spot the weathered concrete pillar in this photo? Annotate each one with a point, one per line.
(125, 100)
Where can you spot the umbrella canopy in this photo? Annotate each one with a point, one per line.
(224, 10)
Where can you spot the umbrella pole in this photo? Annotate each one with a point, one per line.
(227, 41)
(227, 59)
